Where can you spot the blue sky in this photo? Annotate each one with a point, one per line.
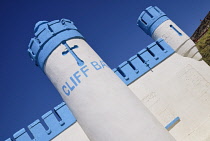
(108, 26)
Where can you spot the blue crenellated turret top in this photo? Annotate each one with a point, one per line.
(48, 36)
(150, 19)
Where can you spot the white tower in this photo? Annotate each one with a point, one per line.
(103, 105)
(156, 24)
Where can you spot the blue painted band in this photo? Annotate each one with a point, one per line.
(48, 36)
(47, 114)
(19, 133)
(172, 123)
(156, 24)
(59, 106)
(34, 124)
(54, 43)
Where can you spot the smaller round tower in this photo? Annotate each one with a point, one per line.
(156, 24)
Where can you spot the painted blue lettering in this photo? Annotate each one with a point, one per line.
(96, 65)
(77, 76)
(72, 79)
(103, 64)
(68, 92)
(75, 79)
(71, 88)
(84, 70)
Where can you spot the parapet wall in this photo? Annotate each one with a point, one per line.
(56, 120)
(143, 61)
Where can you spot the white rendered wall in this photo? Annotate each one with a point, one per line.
(103, 105)
(178, 87)
(181, 43)
(73, 133)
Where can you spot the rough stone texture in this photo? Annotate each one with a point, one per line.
(201, 30)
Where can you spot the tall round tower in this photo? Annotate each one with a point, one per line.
(103, 105)
(156, 24)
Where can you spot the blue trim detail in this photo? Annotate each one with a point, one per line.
(38, 131)
(22, 135)
(143, 62)
(9, 139)
(172, 123)
(34, 124)
(70, 50)
(55, 127)
(48, 36)
(150, 19)
(19, 133)
(47, 114)
(179, 33)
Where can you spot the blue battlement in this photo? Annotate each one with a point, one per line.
(56, 120)
(143, 61)
(150, 19)
(49, 35)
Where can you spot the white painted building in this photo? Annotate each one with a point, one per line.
(167, 77)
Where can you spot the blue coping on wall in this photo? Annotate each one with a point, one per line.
(49, 35)
(150, 19)
(55, 127)
(143, 62)
(9, 139)
(172, 123)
